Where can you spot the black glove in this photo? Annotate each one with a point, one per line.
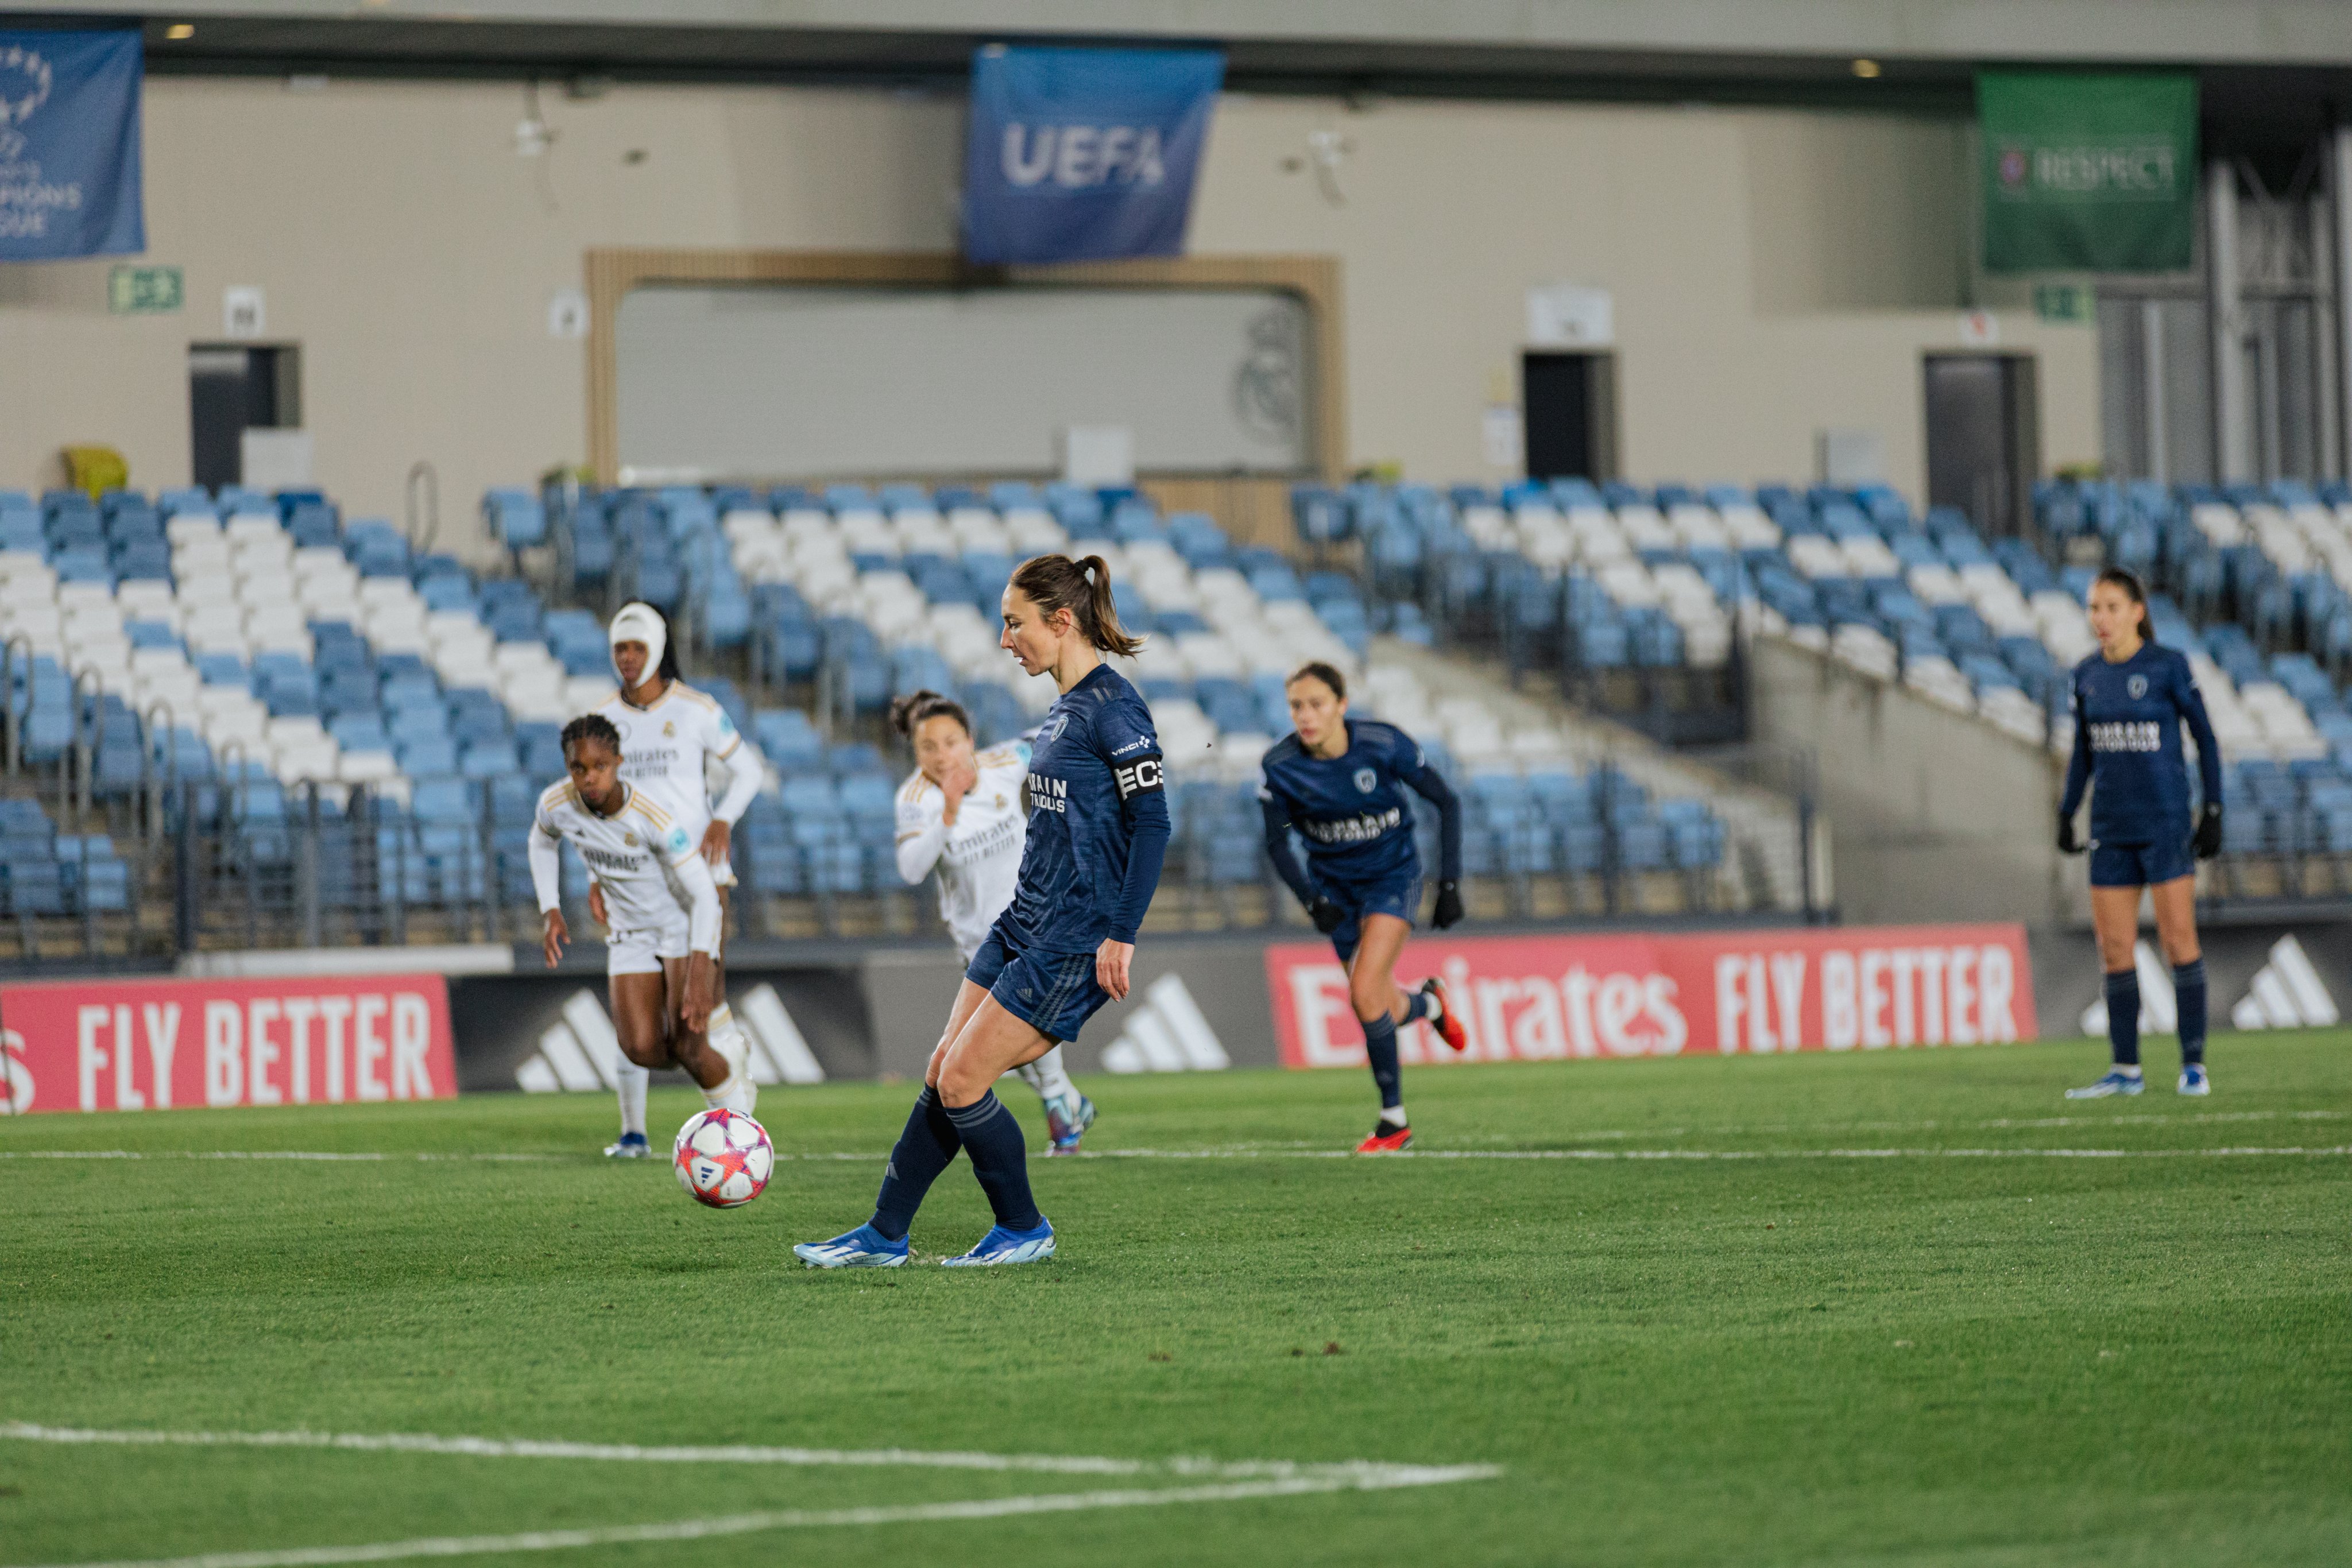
(1448, 911)
(2068, 843)
(2209, 831)
(1328, 917)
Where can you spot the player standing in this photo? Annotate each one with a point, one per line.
(1098, 832)
(959, 812)
(1342, 783)
(2130, 699)
(661, 958)
(670, 736)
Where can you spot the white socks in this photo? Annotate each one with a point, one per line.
(736, 1091)
(1393, 1115)
(630, 1082)
(1047, 1076)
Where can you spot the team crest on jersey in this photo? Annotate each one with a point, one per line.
(1051, 730)
(1366, 780)
(630, 840)
(2137, 686)
(669, 729)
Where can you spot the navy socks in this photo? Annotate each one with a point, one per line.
(2123, 1016)
(1380, 1046)
(1418, 1005)
(924, 1149)
(999, 1158)
(2188, 996)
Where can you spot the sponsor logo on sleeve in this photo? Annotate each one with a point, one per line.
(1138, 777)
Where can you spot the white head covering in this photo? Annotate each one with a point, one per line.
(639, 623)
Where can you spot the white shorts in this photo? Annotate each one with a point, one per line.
(642, 952)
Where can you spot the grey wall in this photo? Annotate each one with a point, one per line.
(1939, 816)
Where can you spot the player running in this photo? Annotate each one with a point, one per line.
(1098, 832)
(660, 959)
(960, 813)
(670, 736)
(2130, 699)
(1342, 783)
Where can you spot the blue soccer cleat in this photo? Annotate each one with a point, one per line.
(1066, 1120)
(864, 1248)
(1001, 1246)
(2193, 1080)
(632, 1147)
(2113, 1083)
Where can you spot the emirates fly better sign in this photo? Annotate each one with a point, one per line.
(2088, 171)
(1536, 998)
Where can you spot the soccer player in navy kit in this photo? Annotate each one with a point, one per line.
(2131, 700)
(1342, 783)
(1098, 833)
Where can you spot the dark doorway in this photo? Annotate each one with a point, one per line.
(1984, 445)
(234, 388)
(1569, 405)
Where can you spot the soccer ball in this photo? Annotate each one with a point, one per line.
(723, 1158)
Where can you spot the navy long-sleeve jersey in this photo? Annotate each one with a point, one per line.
(1097, 819)
(1353, 813)
(2127, 719)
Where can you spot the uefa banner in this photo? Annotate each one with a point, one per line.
(160, 1045)
(1084, 154)
(2088, 171)
(1542, 999)
(70, 180)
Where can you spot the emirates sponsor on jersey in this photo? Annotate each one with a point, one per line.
(1533, 999)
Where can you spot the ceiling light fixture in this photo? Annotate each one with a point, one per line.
(179, 30)
(1865, 68)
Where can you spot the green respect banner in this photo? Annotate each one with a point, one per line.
(2088, 173)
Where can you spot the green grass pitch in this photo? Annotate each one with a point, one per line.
(1805, 1356)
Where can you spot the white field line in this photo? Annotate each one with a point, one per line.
(1247, 1152)
(1226, 1481)
(329, 1155)
(792, 1519)
(1346, 1471)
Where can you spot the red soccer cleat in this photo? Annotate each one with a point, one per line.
(1386, 1140)
(1449, 1028)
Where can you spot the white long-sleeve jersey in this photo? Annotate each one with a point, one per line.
(979, 858)
(652, 869)
(667, 747)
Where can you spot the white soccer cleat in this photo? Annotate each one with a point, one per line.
(2193, 1080)
(2111, 1084)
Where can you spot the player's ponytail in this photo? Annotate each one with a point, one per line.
(1054, 583)
(909, 712)
(2135, 590)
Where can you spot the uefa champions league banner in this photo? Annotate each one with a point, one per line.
(70, 145)
(1084, 154)
(159, 1045)
(1537, 999)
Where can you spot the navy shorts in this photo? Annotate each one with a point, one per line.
(2141, 865)
(1053, 993)
(1399, 896)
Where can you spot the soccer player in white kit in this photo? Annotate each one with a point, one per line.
(670, 735)
(664, 927)
(961, 812)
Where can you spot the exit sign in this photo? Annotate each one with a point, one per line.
(2064, 301)
(144, 290)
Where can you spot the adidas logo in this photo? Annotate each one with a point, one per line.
(580, 1051)
(2286, 993)
(1166, 1034)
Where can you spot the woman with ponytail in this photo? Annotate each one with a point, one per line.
(960, 817)
(2130, 699)
(1098, 832)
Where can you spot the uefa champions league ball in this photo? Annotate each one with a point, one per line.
(723, 1158)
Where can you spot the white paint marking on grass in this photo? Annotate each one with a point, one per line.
(802, 1519)
(1347, 1471)
(1252, 1152)
(1227, 1482)
(263, 1154)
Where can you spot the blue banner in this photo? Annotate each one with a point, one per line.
(1084, 154)
(70, 145)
